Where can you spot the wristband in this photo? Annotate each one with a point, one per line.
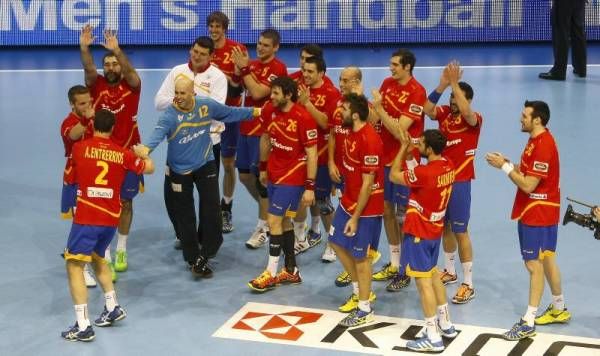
(262, 166)
(411, 164)
(309, 184)
(434, 96)
(507, 167)
(244, 71)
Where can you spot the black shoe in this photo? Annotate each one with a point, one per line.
(201, 268)
(551, 76)
(579, 74)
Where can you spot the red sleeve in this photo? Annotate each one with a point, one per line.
(307, 129)
(332, 103)
(336, 117)
(372, 154)
(266, 115)
(133, 163)
(416, 177)
(541, 159)
(66, 127)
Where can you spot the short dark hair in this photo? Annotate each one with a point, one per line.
(108, 54)
(205, 42)
(406, 57)
(313, 49)
(218, 17)
(540, 109)
(435, 139)
(319, 62)
(466, 88)
(272, 34)
(288, 86)
(358, 104)
(104, 121)
(76, 90)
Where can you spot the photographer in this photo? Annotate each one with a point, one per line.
(597, 212)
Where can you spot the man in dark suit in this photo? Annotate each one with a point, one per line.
(568, 26)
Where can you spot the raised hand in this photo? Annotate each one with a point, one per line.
(303, 94)
(86, 38)
(454, 72)
(110, 40)
(376, 96)
(240, 58)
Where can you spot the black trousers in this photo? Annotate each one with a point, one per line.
(169, 200)
(568, 27)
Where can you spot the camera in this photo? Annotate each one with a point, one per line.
(585, 220)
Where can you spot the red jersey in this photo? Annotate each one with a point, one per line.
(100, 166)
(65, 128)
(430, 188)
(362, 154)
(461, 143)
(263, 73)
(325, 99)
(340, 133)
(542, 206)
(122, 100)
(290, 133)
(222, 59)
(398, 100)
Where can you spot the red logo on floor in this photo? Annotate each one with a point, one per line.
(280, 326)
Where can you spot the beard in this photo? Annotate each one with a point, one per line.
(347, 123)
(112, 77)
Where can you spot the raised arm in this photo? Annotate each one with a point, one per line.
(86, 38)
(256, 89)
(454, 75)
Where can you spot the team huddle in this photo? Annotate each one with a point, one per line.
(297, 140)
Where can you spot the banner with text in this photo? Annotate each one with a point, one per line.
(170, 22)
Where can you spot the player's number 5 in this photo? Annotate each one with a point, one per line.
(100, 177)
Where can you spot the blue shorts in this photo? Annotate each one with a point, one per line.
(394, 193)
(248, 149)
(132, 185)
(458, 211)
(87, 241)
(536, 242)
(419, 256)
(284, 199)
(367, 234)
(229, 139)
(68, 200)
(323, 183)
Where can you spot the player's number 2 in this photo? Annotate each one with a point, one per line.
(100, 178)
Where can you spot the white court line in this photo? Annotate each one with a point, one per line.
(295, 68)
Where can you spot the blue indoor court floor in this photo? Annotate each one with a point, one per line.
(169, 313)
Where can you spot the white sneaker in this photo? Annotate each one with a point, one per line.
(259, 237)
(90, 282)
(328, 255)
(301, 245)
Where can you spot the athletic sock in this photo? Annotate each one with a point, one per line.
(558, 301)
(110, 300)
(450, 257)
(81, 313)
(121, 242)
(530, 315)
(468, 273)
(395, 256)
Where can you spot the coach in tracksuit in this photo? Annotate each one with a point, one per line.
(186, 126)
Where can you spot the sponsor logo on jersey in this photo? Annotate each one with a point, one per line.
(180, 118)
(102, 193)
(271, 77)
(540, 166)
(415, 109)
(189, 138)
(371, 160)
(311, 134)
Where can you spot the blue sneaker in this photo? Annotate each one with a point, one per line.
(424, 344)
(108, 318)
(449, 333)
(357, 317)
(74, 334)
(314, 238)
(519, 331)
